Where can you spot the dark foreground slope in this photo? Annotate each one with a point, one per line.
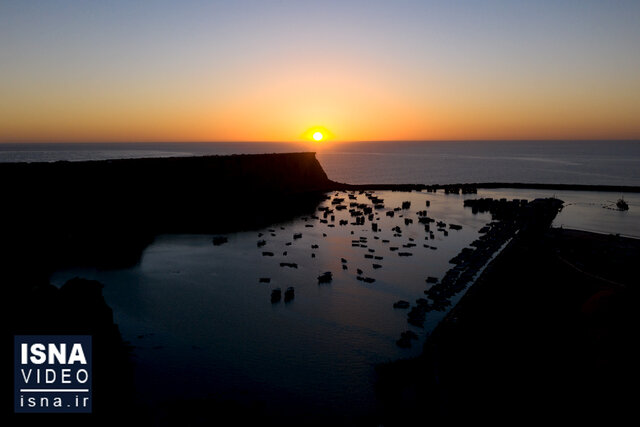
(546, 333)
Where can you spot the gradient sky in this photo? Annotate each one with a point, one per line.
(365, 70)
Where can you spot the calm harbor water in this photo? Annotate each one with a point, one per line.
(202, 324)
(200, 313)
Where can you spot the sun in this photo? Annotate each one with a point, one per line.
(317, 134)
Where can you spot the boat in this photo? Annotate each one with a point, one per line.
(276, 294)
(289, 294)
(622, 205)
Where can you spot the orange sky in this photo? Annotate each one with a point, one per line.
(393, 74)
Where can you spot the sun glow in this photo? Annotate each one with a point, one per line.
(317, 134)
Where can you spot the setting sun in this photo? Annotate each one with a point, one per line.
(317, 134)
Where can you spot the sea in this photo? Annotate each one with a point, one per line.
(395, 162)
(202, 324)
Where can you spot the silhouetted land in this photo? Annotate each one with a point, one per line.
(544, 334)
(105, 212)
(78, 307)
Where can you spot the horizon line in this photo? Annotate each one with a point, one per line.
(322, 143)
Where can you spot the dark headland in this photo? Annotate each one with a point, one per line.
(105, 212)
(544, 332)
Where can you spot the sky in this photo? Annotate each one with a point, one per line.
(279, 70)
